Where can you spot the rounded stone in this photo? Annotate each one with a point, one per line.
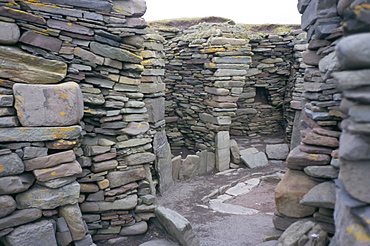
(10, 33)
(7, 205)
(353, 52)
(136, 229)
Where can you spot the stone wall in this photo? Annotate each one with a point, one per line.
(82, 131)
(222, 80)
(317, 162)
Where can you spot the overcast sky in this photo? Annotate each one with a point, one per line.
(240, 11)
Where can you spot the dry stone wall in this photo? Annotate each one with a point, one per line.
(330, 172)
(81, 123)
(222, 80)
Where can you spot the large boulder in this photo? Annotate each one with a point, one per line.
(289, 192)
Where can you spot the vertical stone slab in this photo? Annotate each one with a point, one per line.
(155, 108)
(163, 161)
(72, 215)
(222, 151)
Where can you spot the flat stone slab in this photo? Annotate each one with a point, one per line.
(159, 242)
(20, 217)
(40, 233)
(46, 198)
(252, 158)
(20, 66)
(48, 105)
(232, 209)
(39, 134)
(178, 226)
(49, 160)
(127, 203)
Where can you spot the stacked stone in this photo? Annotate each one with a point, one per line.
(353, 203)
(211, 87)
(205, 74)
(314, 163)
(265, 97)
(64, 60)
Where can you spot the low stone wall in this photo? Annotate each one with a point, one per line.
(317, 162)
(81, 129)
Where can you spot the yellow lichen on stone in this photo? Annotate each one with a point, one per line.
(359, 233)
(1, 167)
(53, 173)
(62, 113)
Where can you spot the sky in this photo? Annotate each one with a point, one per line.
(240, 11)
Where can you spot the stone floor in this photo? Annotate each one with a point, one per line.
(233, 208)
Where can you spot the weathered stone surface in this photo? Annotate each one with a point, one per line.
(354, 177)
(155, 108)
(45, 198)
(42, 41)
(299, 160)
(354, 147)
(21, 15)
(10, 165)
(72, 215)
(70, 27)
(89, 4)
(353, 52)
(50, 160)
(10, 33)
(163, 160)
(121, 190)
(34, 152)
(40, 233)
(352, 79)
(288, 193)
(176, 165)
(311, 58)
(189, 167)
(7, 205)
(140, 158)
(135, 229)
(277, 151)
(177, 226)
(48, 105)
(115, 53)
(57, 183)
(133, 8)
(16, 184)
(63, 170)
(311, 138)
(104, 165)
(306, 231)
(234, 151)
(20, 217)
(20, 66)
(133, 142)
(39, 134)
(135, 128)
(10, 121)
(120, 178)
(252, 158)
(127, 203)
(322, 195)
(222, 140)
(325, 172)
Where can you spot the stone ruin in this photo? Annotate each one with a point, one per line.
(89, 96)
